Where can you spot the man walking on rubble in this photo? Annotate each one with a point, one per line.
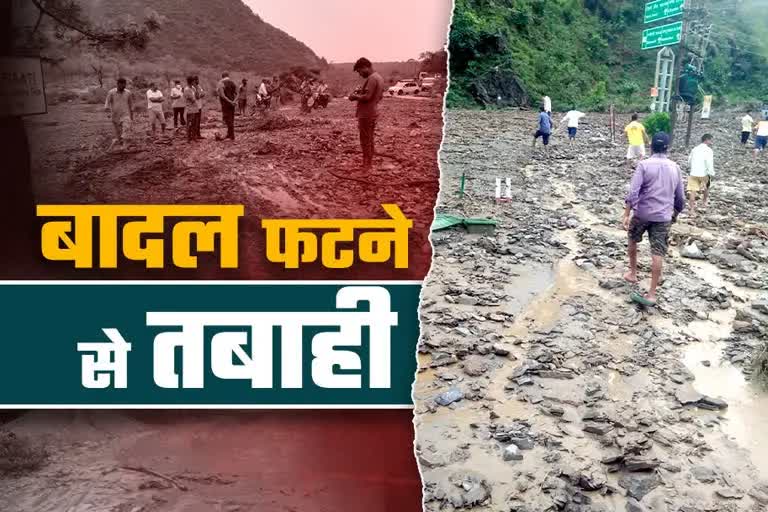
(367, 112)
(761, 135)
(544, 128)
(572, 117)
(227, 92)
(654, 201)
(747, 125)
(637, 138)
(119, 105)
(702, 169)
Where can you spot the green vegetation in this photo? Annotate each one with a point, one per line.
(658, 122)
(585, 53)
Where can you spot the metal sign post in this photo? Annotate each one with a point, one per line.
(665, 66)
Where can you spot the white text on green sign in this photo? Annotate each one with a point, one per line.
(663, 9)
(664, 35)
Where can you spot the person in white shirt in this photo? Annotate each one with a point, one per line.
(178, 104)
(761, 136)
(572, 117)
(155, 107)
(263, 90)
(702, 168)
(747, 123)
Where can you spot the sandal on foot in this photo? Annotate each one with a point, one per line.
(638, 298)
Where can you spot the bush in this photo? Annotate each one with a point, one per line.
(658, 122)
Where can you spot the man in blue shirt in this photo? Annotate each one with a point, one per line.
(545, 128)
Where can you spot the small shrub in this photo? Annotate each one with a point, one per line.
(658, 122)
(18, 455)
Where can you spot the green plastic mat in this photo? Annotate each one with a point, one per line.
(444, 221)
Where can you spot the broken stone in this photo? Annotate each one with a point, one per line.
(512, 452)
(599, 429)
(449, 397)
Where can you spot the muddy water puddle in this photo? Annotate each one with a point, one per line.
(746, 419)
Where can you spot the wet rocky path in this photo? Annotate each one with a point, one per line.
(541, 387)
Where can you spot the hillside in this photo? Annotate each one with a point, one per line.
(210, 33)
(587, 53)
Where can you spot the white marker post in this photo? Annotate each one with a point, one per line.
(507, 192)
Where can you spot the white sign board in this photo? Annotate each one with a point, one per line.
(706, 109)
(22, 90)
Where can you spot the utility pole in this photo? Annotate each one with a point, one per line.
(687, 6)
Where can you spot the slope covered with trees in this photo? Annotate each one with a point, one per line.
(218, 34)
(587, 52)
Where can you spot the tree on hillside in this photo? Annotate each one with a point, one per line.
(70, 25)
(17, 204)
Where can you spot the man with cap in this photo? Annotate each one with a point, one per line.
(655, 199)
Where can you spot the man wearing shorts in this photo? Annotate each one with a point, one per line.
(761, 137)
(119, 105)
(545, 127)
(655, 199)
(637, 137)
(701, 163)
(572, 118)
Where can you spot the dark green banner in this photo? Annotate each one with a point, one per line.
(155, 344)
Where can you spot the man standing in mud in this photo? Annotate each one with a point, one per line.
(367, 98)
(200, 102)
(120, 105)
(227, 92)
(242, 97)
(654, 201)
(192, 110)
(179, 105)
(155, 101)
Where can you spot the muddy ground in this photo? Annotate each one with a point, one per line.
(250, 461)
(282, 165)
(541, 387)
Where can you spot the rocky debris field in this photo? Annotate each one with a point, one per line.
(541, 387)
(282, 164)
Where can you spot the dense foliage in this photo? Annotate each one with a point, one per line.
(586, 53)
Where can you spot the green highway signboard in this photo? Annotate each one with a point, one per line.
(665, 35)
(663, 9)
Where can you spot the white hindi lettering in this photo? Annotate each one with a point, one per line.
(105, 363)
(243, 347)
